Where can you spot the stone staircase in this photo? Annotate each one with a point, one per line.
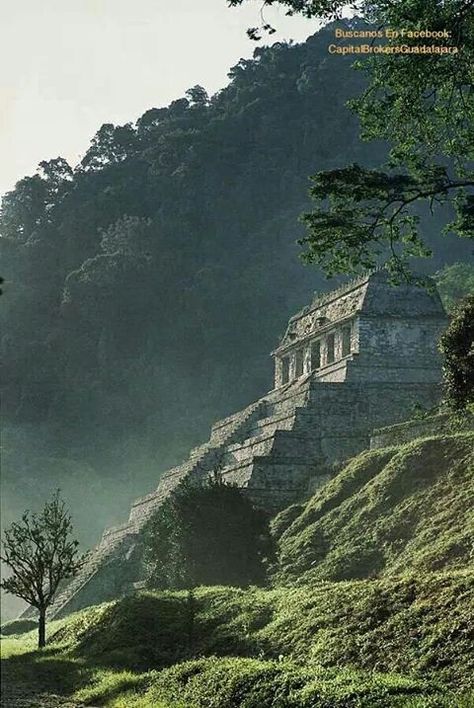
(117, 541)
(274, 462)
(272, 450)
(110, 546)
(268, 449)
(202, 460)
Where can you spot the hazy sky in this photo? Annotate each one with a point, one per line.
(67, 66)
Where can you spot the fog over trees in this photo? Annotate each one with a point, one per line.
(146, 286)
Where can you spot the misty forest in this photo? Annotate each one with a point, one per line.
(144, 290)
(147, 286)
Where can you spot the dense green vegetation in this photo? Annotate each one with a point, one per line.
(454, 282)
(423, 105)
(457, 345)
(207, 535)
(164, 265)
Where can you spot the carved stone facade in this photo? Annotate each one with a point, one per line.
(365, 329)
(355, 359)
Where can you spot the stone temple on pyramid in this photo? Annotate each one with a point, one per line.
(355, 359)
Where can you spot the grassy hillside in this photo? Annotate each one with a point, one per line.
(368, 642)
(373, 605)
(401, 509)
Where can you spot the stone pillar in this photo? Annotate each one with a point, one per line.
(292, 358)
(323, 351)
(278, 372)
(338, 345)
(307, 359)
(355, 337)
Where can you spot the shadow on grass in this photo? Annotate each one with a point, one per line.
(114, 685)
(28, 677)
(140, 632)
(146, 631)
(42, 671)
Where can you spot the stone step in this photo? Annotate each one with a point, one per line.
(274, 442)
(258, 445)
(284, 421)
(197, 452)
(95, 561)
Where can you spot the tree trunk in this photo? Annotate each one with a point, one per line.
(42, 629)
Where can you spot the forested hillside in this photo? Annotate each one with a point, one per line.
(146, 286)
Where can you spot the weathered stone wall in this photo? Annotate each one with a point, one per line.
(403, 349)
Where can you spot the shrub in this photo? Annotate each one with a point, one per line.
(206, 535)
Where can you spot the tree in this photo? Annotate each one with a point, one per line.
(309, 8)
(207, 535)
(197, 96)
(111, 144)
(41, 554)
(454, 282)
(423, 105)
(457, 345)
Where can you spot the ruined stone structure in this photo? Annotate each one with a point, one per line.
(353, 360)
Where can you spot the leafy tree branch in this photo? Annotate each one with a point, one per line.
(363, 213)
(423, 106)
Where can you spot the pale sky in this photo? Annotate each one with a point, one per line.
(67, 66)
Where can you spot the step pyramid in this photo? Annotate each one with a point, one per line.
(353, 360)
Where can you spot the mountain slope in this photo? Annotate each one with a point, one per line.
(146, 286)
(402, 509)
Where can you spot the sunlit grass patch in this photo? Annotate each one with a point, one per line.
(231, 682)
(113, 688)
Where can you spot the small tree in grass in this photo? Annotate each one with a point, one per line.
(40, 552)
(207, 535)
